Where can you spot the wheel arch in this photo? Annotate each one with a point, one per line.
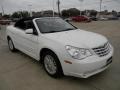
(8, 37)
(43, 50)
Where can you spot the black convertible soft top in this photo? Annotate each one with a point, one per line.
(23, 19)
(20, 23)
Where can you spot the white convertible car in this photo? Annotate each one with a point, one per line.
(62, 48)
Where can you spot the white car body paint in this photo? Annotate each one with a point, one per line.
(32, 45)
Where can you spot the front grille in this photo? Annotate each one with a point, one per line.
(102, 50)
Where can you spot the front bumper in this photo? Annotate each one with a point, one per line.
(94, 71)
(87, 67)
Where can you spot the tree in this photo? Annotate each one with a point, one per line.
(20, 14)
(16, 15)
(0, 14)
(114, 13)
(70, 12)
(6, 16)
(25, 14)
(65, 13)
(93, 13)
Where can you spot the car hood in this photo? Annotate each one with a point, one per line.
(78, 38)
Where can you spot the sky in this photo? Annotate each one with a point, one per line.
(11, 6)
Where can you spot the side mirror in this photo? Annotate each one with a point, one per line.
(29, 31)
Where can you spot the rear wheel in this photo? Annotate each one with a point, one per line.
(52, 65)
(11, 45)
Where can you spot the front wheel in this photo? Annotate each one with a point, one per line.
(52, 65)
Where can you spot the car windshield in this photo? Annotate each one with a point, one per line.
(52, 25)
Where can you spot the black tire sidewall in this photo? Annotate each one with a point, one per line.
(59, 72)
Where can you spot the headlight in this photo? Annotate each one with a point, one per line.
(78, 53)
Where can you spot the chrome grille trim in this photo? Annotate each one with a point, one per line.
(102, 50)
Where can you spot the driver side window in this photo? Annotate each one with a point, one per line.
(26, 24)
(20, 24)
(29, 25)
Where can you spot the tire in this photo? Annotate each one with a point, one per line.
(52, 65)
(11, 45)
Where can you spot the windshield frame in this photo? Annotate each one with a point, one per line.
(35, 20)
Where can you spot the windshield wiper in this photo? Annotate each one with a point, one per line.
(51, 32)
(60, 30)
(68, 29)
